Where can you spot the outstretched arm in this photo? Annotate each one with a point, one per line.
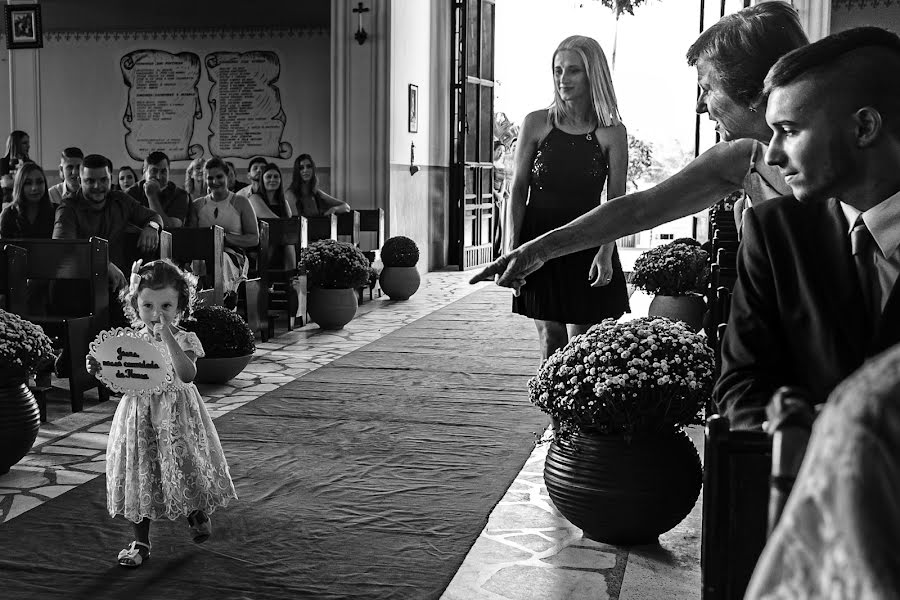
(707, 179)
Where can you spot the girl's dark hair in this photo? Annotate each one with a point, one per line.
(13, 142)
(297, 181)
(127, 168)
(19, 183)
(743, 46)
(157, 275)
(278, 200)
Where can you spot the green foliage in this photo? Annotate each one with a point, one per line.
(640, 376)
(24, 346)
(622, 6)
(674, 269)
(223, 333)
(640, 157)
(399, 251)
(333, 265)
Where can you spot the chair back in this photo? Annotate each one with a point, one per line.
(372, 221)
(735, 507)
(186, 244)
(13, 278)
(321, 228)
(130, 252)
(348, 225)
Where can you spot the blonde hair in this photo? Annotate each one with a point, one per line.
(603, 94)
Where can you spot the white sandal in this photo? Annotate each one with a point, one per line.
(131, 557)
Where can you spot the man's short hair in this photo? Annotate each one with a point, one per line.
(154, 158)
(254, 160)
(95, 161)
(863, 61)
(215, 163)
(71, 152)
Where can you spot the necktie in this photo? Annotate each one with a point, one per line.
(862, 246)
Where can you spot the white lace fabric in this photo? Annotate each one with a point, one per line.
(164, 457)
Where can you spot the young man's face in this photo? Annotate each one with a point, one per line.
(812, 139)
(158, 172)
(69, 171)
(95, 184)
(255, 171)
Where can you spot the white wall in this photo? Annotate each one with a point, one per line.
(420, 47)
(83, 97)
(843, 18)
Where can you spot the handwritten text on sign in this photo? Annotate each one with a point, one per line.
(130, 361)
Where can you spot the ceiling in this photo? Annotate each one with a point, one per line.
(138, 15)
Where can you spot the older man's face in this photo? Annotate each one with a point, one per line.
(812, 139)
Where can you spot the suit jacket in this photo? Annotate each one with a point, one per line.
(797, 312)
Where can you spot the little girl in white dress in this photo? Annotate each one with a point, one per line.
(164, 458)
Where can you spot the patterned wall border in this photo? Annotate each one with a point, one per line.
(851, 4)
(184, 34)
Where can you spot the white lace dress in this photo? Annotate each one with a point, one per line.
(164, 458)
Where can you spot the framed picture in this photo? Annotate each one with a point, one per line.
(23, 26)
(413, 108)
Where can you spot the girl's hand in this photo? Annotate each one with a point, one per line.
(163, 329)
(92, 364)
(601, 269)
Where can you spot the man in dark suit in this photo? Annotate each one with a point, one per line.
(815, 292)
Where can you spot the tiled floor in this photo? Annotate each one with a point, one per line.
(527, 549)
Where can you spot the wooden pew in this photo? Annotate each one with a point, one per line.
(253, 295)
(185, 244)
(736, 472)
(130, 252)
(276, 278)
(348, 226)
(63, 261)
(321, 228)
(372, 221)
(13, 278)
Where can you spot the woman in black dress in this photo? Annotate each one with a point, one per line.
(565, 156)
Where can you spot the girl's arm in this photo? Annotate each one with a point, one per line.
(182, 361)
(617, 151)
(291, 200)
(260, 208)
(533, 130)
(335, 206)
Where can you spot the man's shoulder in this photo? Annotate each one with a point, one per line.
(136, 191)
(789, 211)
(175, 192)
(245, 191)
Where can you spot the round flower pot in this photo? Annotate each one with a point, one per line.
(220, 370)
(19, 418)
(689, 309)
(621, 492)
(399, 283)
(331, 309)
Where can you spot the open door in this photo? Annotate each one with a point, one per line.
(471, 168)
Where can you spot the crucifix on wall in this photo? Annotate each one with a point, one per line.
(360, 34)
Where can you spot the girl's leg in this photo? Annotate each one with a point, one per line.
(578, 328)
(552, 336)
(142, 534)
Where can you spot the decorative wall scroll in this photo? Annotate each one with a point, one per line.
(247, 116)
(851, 4)
(163, 103)
(131, 361)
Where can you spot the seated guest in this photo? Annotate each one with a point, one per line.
(156, 191)
(269, 201)
(840, 528)
(31, 214)
(126, 178)
(194, 183)
(232, 213)
(95, 210)
(304, 196)
(816, 272)
(254, 172)
(233, 184)
(18, 144)
(69, 169)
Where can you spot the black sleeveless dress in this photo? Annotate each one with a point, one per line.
(567, 178)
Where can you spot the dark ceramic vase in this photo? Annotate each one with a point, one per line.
(331, 309)
(688, 309)
(220, 370)
(623, 492)
(19, 418)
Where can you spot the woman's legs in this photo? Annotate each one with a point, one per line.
(552, 336)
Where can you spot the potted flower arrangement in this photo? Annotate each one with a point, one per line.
(227, 343)
(399, 279)
(334, 270)
(24, 349)
(620, 466)
(676, 274)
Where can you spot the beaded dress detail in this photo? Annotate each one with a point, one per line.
(567, 179)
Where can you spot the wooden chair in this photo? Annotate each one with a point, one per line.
(348, 226)
(372, 221)
(735, 507)
(64, 261)
(253, 295)
(13, 278)
(130, 252)
(791, 419)
(185, 244)
(276, 278)
(321, 228)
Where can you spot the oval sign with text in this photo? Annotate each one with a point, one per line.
(130, 361)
